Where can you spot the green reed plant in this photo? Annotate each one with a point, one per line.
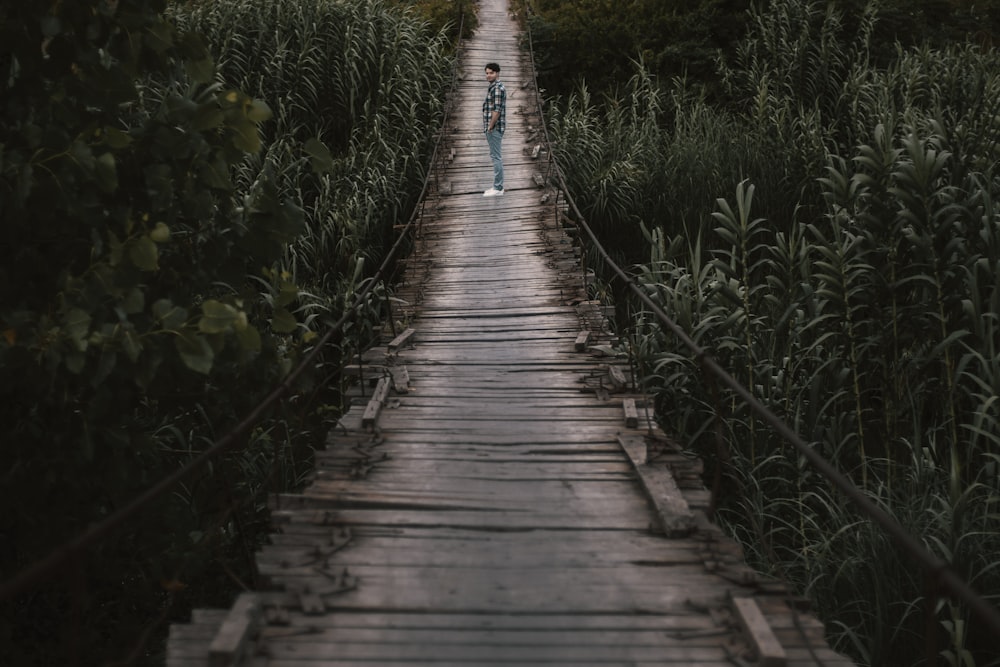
(356, 88)
(166, 264)
(873, 289)
(838, 377)
(738, 263)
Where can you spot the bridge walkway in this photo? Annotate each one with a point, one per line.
(492, 498)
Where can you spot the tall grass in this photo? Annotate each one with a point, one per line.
(357, 89)
(851, 283)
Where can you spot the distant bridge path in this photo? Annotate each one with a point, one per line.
(500, 495)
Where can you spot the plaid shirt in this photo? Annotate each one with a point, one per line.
(496, 100)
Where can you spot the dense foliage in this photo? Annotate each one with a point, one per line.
(852, 283)
(175, 234)
(449, 16)
(598, 41)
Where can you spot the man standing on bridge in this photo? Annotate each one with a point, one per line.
(494, 124)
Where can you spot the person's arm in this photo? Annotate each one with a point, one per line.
(494, 117)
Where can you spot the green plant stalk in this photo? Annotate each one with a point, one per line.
(889, 409)
(856, 382)
(955, 474)
(747, 327)
(855, 363)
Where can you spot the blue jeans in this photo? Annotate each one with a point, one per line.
(494, 138)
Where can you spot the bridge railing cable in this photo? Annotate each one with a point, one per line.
(939, 575)
(69, 552)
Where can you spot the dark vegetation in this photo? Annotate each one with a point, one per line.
(597, 41)
(819, 211)
(189, 192)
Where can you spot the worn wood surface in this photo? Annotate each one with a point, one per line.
(488, 500)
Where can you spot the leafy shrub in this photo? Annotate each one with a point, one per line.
(357, 90)
(152, 277)
(597, 40)
(851, 286)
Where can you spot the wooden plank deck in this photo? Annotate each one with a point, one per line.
(494, 508)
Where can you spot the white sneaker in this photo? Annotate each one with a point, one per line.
(492, 192)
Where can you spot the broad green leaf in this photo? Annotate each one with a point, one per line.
(132, 345)
(319, 156)
(283, 321)
(218, 317)
(249, 341)
(215, 174)
(195, 351)
(207, 116)
(172, 317)
(144, 253)
(245, 136)
(115, 138)
(82, 155)
(160, 36)
(258, 111)
(106, 172)
(201, 70)
(287, 293)
(191, 46)
(134, 301)
(160, 233)
(78, 327)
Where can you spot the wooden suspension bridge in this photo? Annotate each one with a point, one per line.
(500, 495)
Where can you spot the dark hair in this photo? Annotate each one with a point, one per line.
(493, 66)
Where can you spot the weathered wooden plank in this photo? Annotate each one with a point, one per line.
(370, 416)
(400, 379)
(473, 654)
(481, 591)
(233, 637)
(458, 634)
(498, 663)
(502, 662)
(591, 625)
(592, 517)
(768, 649)
(402, 339)
(631, 413)
(661, 489)
(439, 546)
